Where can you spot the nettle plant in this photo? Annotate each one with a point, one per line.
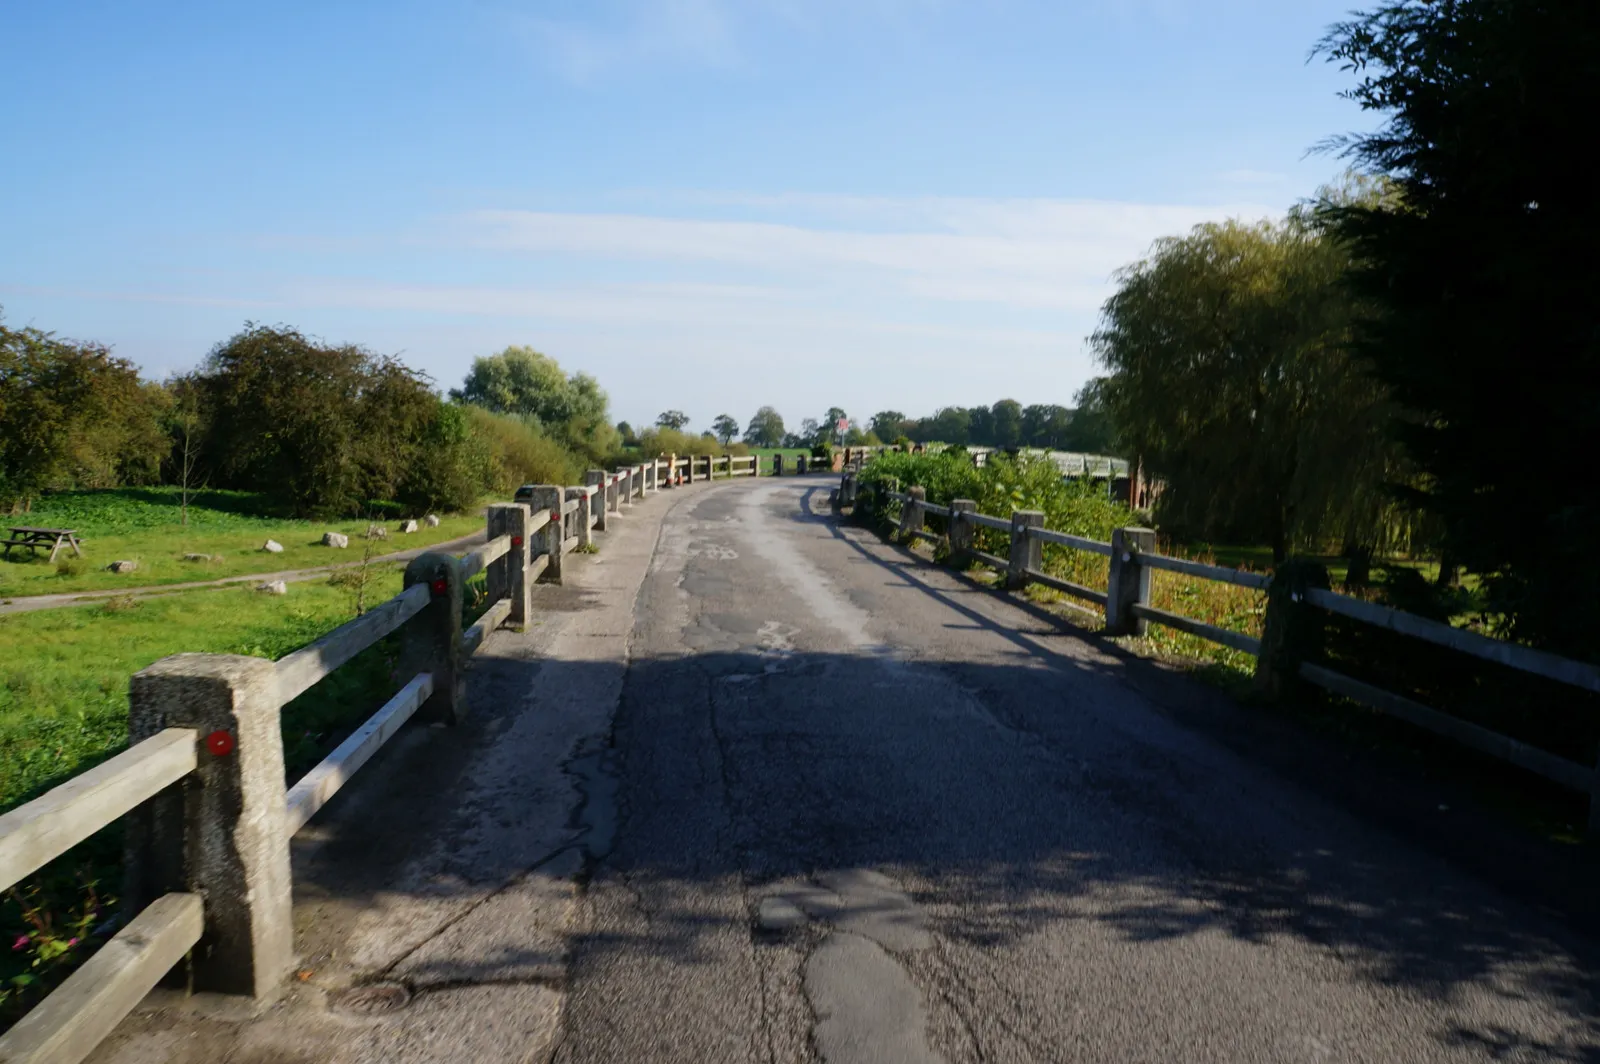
(46, 942)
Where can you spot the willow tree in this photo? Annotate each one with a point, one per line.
(1229, 374)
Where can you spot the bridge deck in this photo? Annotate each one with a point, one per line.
(766, 788)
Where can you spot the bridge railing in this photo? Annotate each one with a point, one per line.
(1292, 619)
(201, 788)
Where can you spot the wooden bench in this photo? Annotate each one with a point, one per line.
(36, 538)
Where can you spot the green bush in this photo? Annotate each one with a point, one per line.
(659, 441)
(1077, 507)
(515, 451)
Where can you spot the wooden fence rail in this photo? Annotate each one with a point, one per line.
(202, 789)
(1127, 610)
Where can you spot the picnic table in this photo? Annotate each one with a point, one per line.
(35, 538)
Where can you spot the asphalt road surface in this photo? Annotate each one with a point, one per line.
(867, 812)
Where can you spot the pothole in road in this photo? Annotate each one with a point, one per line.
(372, 999)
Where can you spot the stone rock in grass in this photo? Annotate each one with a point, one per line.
(273, 587)
(377, 532)
(335, 539)
(432, 521)
(198, 558)
(122, 567)
(272, 546)
(407, 527)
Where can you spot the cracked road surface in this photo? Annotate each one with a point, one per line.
(868, 812)
(760, 787)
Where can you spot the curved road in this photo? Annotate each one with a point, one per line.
(757, 786)
(870, 813)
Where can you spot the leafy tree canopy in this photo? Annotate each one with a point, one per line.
(1483, 277)
(1230, 375)
(724, 429)
(73, 415)
(765, 429)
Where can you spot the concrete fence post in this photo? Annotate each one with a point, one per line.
(580, 516)
(221, 832)
(672, 470)
(625, 489)
(777, 465)
(1129, 583)
(596, 478)
(1292, 631)
(638, 482)
(508, 574)
(911, 513)
(961, 527)
(1027, 552)
(432, 639)
(549, 497)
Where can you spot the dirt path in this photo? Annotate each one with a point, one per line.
(28, 603)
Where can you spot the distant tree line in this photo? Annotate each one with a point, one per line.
(318, 429)
(1007, 423)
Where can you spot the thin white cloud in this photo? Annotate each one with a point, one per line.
(1253, 177)
(1023, 253)
(614, 36)
(629, 35)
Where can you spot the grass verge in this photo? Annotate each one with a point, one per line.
(229, 527)
(64, 708)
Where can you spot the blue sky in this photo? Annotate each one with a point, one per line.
(707, 204)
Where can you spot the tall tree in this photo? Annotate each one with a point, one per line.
(765, 429)
(1485, 276)
(1005, 423)
(1045, 425)
(951, 425)
(520, 380)
(672, 419)
(318, 428)
(888, 425)
(1089, 426)
(1230, 376)
(72, 414)
(724, 428)
(830, 430)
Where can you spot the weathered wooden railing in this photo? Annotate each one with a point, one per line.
(1280, 654)
(687, 469)
(201, 787)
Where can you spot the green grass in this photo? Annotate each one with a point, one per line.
(64, 708)
(64, 679)
(1258, 558)
(141, 524)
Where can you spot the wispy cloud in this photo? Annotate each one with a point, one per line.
(1023, 253)
(629, 35)
(1253, 177)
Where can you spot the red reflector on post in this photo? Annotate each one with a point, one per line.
(516, 541)
(440, 586)
(555, 517)
(220, 743)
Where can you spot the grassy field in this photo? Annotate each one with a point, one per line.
(64, 708)
(64, 678)
(141, 524)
